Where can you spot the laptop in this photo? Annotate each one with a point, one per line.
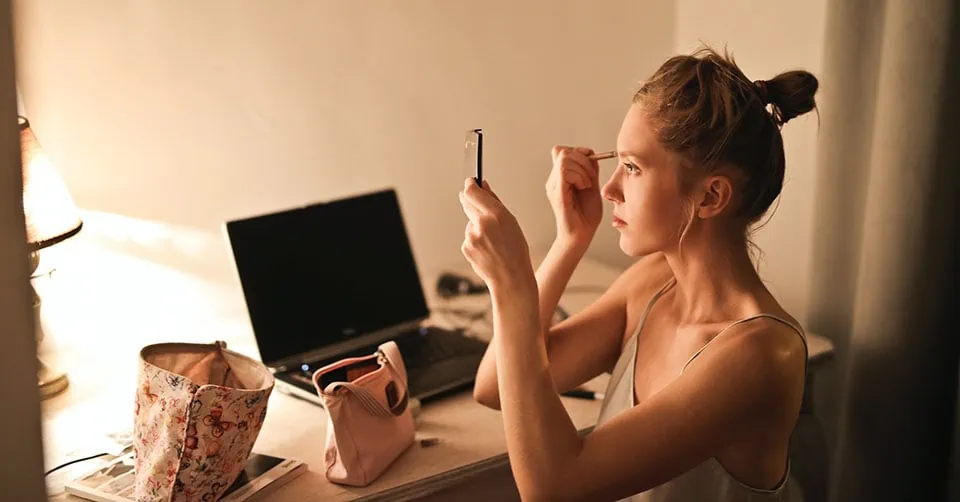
(335, 279)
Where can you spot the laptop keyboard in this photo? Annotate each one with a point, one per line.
(434, 345)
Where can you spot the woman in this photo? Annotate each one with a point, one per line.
(707, 368)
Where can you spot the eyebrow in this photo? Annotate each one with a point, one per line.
(636, 155)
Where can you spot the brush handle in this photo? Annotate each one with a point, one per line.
(604, 155)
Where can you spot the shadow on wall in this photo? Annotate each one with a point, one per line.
(201, 253)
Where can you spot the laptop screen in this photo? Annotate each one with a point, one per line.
(322, 274)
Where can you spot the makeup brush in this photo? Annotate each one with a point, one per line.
(604, 155)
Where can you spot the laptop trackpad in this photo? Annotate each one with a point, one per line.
(443, 375)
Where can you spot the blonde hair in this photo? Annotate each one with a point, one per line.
(705, 109)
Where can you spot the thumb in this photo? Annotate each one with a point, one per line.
(595, 173)
(594, 170)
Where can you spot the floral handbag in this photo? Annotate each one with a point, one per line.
(198, 411)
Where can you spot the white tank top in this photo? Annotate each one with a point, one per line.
(709, 481)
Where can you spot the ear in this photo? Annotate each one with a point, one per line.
(716, 196)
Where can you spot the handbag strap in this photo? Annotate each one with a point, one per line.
(371, 403)
(390, 355)
(387, 355)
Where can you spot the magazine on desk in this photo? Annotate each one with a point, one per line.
(113, 480)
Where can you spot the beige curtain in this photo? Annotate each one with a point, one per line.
(885, 251)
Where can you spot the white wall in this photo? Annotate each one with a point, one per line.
(767, 38)
(190, 113)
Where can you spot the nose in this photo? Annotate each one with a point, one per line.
(611, 189)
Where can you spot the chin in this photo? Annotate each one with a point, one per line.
(634, 247)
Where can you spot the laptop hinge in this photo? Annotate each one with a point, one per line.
(359, 342)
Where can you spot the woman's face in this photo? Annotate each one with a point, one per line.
(648, 206)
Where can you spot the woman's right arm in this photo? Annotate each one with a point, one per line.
(580, 347)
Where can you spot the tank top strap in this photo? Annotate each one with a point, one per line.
(646, 311)
(747, 319)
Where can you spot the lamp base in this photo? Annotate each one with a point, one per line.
(50, 381)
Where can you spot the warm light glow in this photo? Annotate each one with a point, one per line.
(50, 212)
(148, 235)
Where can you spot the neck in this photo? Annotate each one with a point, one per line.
(716, 279)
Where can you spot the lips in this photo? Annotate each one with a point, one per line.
(617, 222)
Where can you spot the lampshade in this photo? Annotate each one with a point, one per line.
(50, 212)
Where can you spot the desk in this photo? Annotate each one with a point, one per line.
(468, 463)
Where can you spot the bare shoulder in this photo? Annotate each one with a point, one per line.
(770, 355)
(768, 337)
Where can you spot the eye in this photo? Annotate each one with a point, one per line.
(630, 168)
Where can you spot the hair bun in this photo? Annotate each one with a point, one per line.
(791, 94)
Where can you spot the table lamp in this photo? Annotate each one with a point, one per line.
(51, 217)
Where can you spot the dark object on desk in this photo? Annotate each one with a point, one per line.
(334, 279)
(450, 285)
(428, 442)
(583, 394)
(262, 475)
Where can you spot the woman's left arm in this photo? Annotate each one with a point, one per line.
(724, 395)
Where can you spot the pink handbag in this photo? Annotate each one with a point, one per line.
(369, 422)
